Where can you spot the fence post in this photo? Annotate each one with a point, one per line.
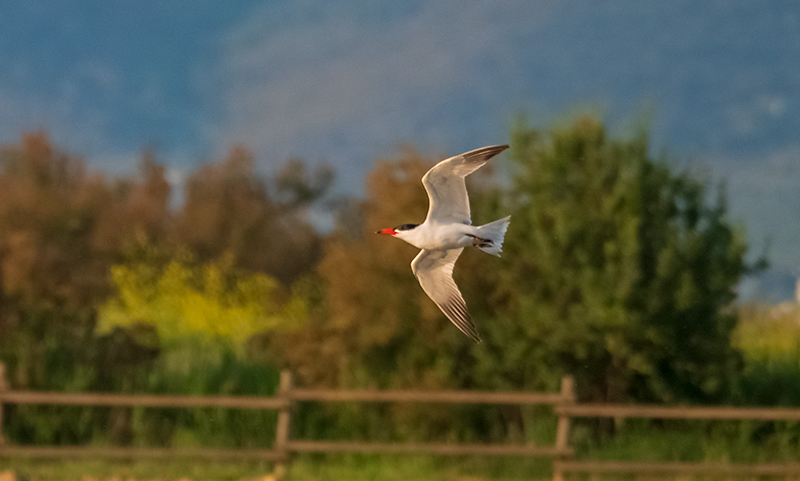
(3, 388)
(282, 429)
(562, 431)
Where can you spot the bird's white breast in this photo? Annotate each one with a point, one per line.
(432, 235)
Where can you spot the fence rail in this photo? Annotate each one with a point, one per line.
(143, 400)
(678, 412)
(449, 397)
(563, 402)
(443, 449)
(113, 452)
(636, 467)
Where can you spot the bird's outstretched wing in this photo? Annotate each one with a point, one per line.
(434, 271)
(444, 182)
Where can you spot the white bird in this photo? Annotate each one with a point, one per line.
(447, 230)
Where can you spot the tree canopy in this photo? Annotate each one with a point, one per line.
(616, 269)
(619, 269)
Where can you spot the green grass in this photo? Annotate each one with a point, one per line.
(52, 470)
(633, 440)
(338, 467)
(417, 468)
(694, 441)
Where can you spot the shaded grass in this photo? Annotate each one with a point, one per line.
(333, 467)
(695, 441)
(52, 470)
(632, 440)
(413, 468)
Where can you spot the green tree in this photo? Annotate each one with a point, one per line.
(618, 271)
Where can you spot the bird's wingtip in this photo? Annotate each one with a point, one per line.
(484, 153)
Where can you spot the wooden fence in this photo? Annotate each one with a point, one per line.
(623, 411)
(283, 402)
(563, 402)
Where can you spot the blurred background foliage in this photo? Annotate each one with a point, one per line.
(211, 303)
(617, 269)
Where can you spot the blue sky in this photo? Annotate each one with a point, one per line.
(345, 82)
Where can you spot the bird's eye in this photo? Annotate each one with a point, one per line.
(405, 227)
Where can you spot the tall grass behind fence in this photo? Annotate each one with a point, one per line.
(133, 425)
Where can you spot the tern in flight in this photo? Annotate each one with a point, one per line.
(447, 230)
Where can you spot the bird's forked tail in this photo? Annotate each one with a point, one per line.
(493, 234)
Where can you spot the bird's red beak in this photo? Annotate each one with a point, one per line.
(387, 231)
